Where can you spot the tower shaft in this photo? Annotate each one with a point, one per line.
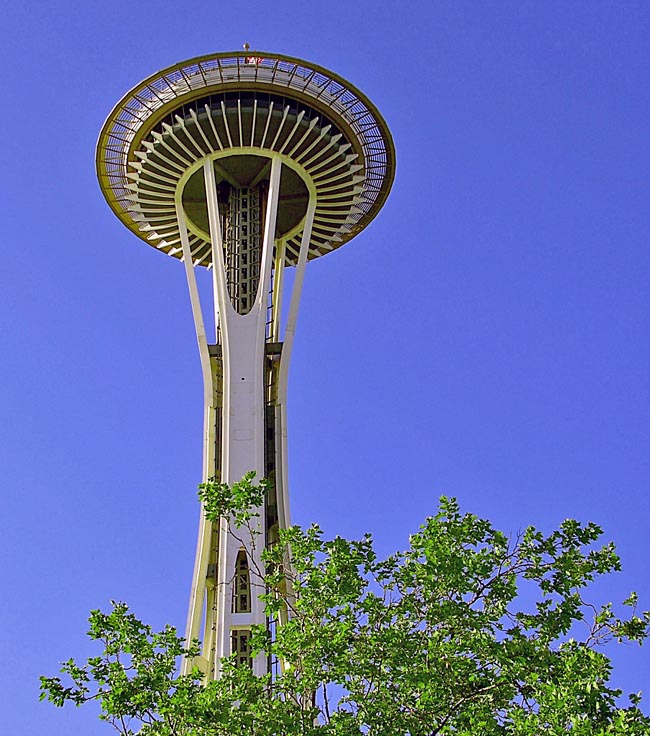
(245, 376)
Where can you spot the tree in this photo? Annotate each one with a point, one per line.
(466, 632)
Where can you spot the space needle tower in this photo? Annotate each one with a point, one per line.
(245, 164)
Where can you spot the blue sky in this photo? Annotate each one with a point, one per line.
(486, 337)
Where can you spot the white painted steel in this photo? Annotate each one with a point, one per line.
(283, 377)
(197, 592)
(278, 282)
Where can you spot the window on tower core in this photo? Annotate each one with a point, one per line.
(241, 590)
(241, 647)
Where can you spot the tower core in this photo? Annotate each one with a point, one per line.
(244, 163)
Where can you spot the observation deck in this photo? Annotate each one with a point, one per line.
(241, 109)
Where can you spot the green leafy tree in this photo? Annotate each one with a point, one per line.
(467, 632)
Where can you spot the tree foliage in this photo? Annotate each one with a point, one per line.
(466, 632)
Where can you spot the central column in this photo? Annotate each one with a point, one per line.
(242, 280)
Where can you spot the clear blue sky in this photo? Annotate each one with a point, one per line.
(486, 337)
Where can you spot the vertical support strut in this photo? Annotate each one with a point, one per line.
(197, 592)
(282, 470)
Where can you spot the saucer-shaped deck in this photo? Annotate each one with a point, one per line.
(240, 111)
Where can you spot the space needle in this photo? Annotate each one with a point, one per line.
(246, 164)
